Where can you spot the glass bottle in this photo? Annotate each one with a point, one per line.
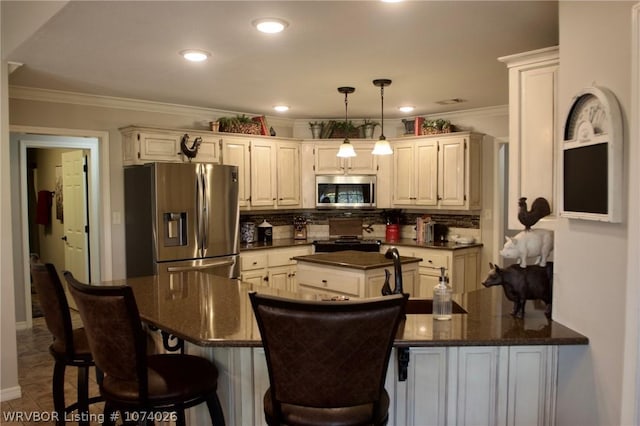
(442, 298)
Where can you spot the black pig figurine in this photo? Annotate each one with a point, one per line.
(522, 284)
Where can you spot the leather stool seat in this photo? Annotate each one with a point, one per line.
(341, 416)
(172, 378)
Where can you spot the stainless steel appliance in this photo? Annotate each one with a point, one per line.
(340, 191)
(181, 217)
(346, 234)
(347, 243)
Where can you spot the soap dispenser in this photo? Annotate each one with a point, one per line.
(442, 298)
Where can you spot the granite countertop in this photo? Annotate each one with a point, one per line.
(354, 259)
(407, 242)
(446, 245)
(213, 311)
(278, 243)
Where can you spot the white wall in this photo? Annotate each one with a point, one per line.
(590, 284)
(9, 356)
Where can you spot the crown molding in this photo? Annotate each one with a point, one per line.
(77, 98)
(493, 111)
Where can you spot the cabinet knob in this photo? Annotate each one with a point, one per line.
(324, 282)
(254, 263)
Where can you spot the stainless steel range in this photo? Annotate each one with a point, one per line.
(346, 243)
(346, 234)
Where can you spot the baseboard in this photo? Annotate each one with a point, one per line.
(22, 325)
(10, 393)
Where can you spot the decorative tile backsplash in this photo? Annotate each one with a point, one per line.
(369, 217)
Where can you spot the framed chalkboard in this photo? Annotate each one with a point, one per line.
(592, 158)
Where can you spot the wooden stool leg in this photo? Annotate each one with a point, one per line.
(215, 410)
(83, 395)
(109, 418)
(180, 420)
(58, 391)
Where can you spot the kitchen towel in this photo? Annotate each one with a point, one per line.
(43, 208)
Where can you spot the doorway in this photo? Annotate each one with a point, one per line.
(58, 211)
(88, 145)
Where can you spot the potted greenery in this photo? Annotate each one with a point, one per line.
(367, 128)
(239, 124)
(434, 127)
(345, 129)
(316, 128)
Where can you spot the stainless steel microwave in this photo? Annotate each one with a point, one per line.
(342, 191)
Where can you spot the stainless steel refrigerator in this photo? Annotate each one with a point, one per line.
(182, 217)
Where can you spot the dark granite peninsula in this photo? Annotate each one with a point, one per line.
(477, 368)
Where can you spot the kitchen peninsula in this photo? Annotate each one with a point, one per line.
(481, 367)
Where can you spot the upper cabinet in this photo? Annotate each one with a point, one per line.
(269, 170)
(327, 163)
(143, 145)
(533, 86)
(440, 172)
(236, 152)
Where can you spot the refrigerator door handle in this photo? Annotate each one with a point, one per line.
(199, 208)
(200, 267)
(206, 195)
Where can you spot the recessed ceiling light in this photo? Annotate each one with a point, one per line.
(391, 1)
(281, 108)
(270, 25)
(195, 55)
(406, 108)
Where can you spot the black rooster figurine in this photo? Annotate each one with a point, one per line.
(190, 152)
(539, 209)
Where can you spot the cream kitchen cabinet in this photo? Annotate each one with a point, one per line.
(478, 385)
(438, 172)
(350, 282)
(143, 145)
(275, 173)
(327, 163)
(273, 267)
(236, 152)
(462, 267)
(533, 87)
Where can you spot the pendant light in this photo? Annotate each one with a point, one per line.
(346, 149)
(382, 146)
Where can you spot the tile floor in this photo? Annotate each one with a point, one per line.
(35, 370)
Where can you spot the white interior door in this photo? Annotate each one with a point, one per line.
(76, 226)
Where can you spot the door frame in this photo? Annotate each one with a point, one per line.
(97, 143)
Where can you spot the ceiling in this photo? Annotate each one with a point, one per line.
(431, 50)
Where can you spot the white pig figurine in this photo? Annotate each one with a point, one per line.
(534, 242)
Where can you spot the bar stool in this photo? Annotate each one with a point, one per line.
(69, 347)
(327, 361)
(134, 381)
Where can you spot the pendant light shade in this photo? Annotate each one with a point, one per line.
(382, 146)
(346, 149)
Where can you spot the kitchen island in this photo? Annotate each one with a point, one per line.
(482, 367)
(352, 273)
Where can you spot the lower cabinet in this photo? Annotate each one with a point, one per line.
(446, 386)
(350, 282)
(462, 267)
(273, 267)
(479, 385)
